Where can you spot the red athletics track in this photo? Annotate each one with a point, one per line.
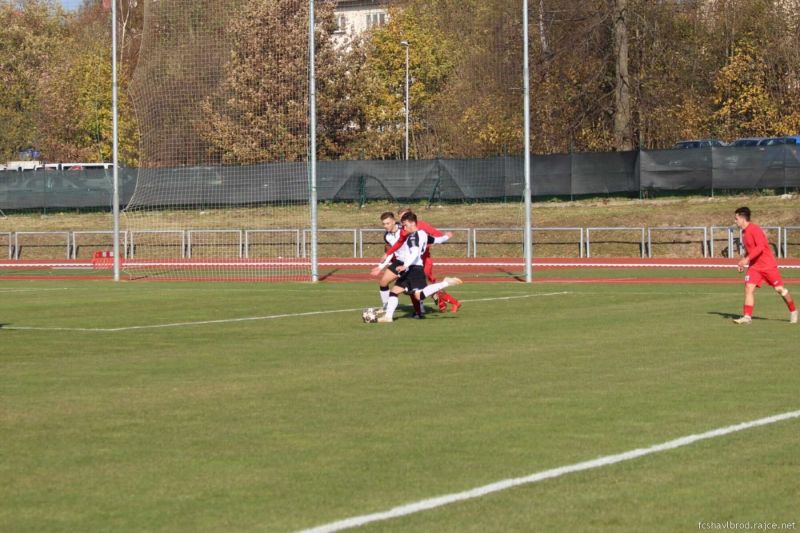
(512, 269)
(350, 269)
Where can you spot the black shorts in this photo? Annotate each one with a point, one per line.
(412, 279)
(393, 267)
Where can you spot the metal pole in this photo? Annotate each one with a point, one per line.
(115, 135)
(408, 96)
(312, 91)
(527, 105)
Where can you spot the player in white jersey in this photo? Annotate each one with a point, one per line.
(388, 270)
(412, 280)
(392, 234)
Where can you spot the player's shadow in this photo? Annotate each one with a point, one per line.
(518, 277)
(510, 273)
(731, 316)
(328, 274)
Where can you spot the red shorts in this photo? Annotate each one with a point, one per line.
(770, 275)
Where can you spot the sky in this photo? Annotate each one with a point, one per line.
(71, 4)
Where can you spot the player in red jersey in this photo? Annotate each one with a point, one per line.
(761, 266)
(441, 297)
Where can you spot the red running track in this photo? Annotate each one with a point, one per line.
(353, 269)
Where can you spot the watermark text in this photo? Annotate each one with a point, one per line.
(746, 526)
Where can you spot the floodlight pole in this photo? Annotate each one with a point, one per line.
(115, 135)
(312, 104)
(527, 244)
(406, 45)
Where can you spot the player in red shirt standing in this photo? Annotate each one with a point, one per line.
(442, 298)
(761, 266)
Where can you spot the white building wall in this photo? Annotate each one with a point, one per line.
(354, 17)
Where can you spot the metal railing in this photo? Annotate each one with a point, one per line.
(248, 241)
(144, 232)
(615, 229)
(306, 239)
(580, 231)
(60, 234)
(192, 232)
(76, 245)
(680, 229)
(10, 241)
(362, 241)
(475, 232)
(358, 241)
(728, 237)
(786, 231)
(777, 230)
(519, 230)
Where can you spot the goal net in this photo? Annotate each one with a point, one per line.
(221, 93)
(420, 102)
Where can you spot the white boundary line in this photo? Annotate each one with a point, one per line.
(4, 291)
(246, 319)
(439, 501)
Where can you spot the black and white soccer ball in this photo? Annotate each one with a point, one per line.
(370, 314)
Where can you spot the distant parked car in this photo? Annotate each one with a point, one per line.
(766, 141)
(698, 143)
(748, 141)
(772, 141)
(23, 165)
(77, 166)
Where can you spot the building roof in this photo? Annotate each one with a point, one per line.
(361, 3)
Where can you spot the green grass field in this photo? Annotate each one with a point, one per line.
(271, 407)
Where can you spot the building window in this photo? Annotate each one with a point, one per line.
(376, 19)
(341, 24)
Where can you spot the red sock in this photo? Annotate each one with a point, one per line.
(748, 310)
(416, 305)
(792, 307)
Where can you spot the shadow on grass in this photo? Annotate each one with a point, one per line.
(514, 275)
(328, 274)
(731, 316)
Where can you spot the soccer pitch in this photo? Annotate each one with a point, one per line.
(272, 407)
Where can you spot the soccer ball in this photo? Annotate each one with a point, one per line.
(369, 315)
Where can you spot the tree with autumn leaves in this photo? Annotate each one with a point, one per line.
(260, 110)
(55, 68)
(29, 38)
(76, 122)
(698, 68)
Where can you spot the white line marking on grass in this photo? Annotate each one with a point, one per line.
(3, 291)
(516, 297)
(242, 319)
(439, 501)
(180, 324)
